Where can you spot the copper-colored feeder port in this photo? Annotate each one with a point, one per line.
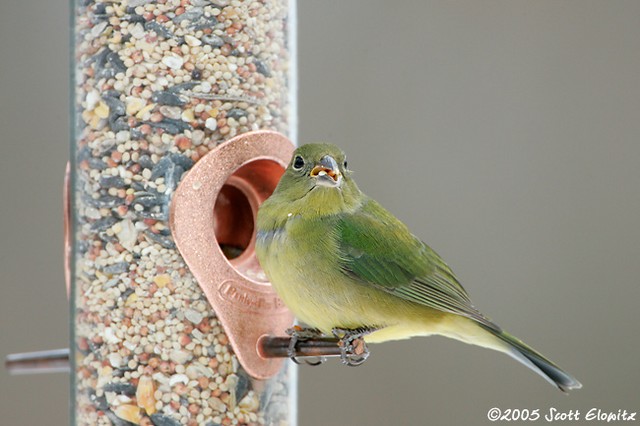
(235, 212)
(66, 208)
(213, 213)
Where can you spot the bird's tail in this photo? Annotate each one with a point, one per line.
(533, 359)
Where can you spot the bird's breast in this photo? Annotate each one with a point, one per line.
(301, 261)
(303, 264)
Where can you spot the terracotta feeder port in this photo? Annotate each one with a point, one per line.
(213, 213)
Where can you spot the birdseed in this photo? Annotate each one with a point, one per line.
(158, 84)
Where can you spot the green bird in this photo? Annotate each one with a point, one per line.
(347, 267)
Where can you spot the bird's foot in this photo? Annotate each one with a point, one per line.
(300, 334)
(353, 348)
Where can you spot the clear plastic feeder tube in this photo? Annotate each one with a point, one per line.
(157, 85)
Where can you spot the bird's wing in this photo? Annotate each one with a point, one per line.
(377, 249)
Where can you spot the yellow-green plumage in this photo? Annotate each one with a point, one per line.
(340, 260)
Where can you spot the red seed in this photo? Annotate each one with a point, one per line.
(183, 143)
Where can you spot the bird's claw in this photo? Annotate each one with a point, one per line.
(299, 334)
(353, 348)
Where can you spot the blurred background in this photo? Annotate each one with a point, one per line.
(506, 134)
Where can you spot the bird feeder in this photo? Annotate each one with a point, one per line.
(170, 162)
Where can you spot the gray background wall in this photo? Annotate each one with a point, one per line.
(506, 134)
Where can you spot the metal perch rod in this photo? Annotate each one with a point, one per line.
(57, 360)
(51, 361)
(278, 346)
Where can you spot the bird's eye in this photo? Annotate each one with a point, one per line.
(298, 162)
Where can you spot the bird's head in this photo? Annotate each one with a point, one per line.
(317, 179)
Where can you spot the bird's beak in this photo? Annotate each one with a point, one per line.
(327, 172)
